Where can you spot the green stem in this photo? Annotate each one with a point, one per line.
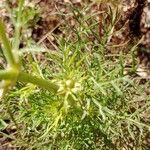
(17, 30)
(27, 78)
(7, 75)
(7, 50)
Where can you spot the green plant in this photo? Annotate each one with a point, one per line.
(11, 53)
(88, 103)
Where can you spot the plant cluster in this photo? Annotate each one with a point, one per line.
(78, 98)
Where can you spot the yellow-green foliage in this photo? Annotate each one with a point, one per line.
(114, 2)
